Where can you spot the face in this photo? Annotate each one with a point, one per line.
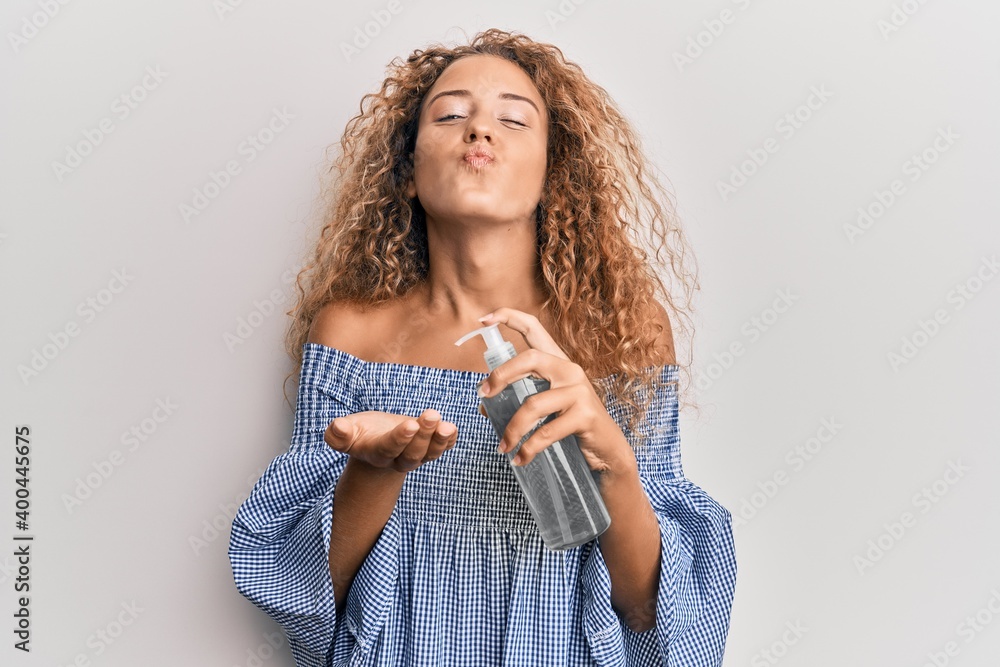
(488, 103)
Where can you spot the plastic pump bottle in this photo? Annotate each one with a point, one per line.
(558, 485)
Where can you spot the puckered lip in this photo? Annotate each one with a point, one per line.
(479, 151)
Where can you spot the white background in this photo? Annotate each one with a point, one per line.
(803, 524)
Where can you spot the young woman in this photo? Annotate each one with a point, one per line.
(492, 177)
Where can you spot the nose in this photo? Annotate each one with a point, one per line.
(480, 127)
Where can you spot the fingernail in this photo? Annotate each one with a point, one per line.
(485, 317)
(517, 460)
(480, 392)
(338, 428)
(501, 447)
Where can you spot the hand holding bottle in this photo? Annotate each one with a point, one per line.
(387, 440)
(571, 396)
(556, 480)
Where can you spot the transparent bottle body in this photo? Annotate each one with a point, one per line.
(560, 488)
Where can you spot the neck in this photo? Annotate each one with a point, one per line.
(475, 273)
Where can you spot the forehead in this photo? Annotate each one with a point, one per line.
(486, 76)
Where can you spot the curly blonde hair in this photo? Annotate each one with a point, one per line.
(598, 194)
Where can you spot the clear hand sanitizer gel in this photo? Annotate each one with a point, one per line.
(558, 484)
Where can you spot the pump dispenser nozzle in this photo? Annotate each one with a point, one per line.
(498, 350)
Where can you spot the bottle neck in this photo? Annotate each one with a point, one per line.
(498, 355)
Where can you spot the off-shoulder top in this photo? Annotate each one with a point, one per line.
(459, 575)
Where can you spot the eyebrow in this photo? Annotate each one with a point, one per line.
(504, 96)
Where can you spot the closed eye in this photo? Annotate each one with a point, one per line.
(507, 120)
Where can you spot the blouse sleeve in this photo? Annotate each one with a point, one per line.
(279, 548)
(697, 562)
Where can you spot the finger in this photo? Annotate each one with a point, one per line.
(385, 447)
(543, 437)
(534, 408)
(531, 363)
(443, 439)
(529, 327)
(413, 454)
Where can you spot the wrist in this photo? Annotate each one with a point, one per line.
(619, 470)
(362, 467)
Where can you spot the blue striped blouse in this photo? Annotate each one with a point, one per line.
(459, 574)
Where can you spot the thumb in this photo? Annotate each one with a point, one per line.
(341, 434)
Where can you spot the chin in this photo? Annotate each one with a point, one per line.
(481, 214)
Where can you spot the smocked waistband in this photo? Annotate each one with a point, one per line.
(471, 485)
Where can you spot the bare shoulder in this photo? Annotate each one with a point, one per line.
(337, 324)
(665, 340)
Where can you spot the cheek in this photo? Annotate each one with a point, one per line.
(425, 149)
(539, 153)
(536, 168)
(419, 156)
